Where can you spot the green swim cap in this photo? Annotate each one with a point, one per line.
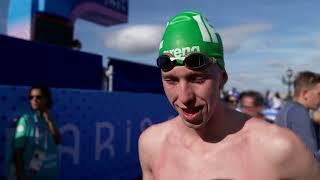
(188, 32)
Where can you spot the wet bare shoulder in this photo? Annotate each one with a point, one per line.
(271, 140)
(151, 141)
(153, 137)
(283, 150)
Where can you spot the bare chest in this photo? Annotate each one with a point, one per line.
(227, 164)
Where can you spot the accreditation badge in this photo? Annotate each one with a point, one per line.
(37, 160)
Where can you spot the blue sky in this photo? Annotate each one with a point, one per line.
(261, 38)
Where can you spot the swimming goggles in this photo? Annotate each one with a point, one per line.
(193, 61)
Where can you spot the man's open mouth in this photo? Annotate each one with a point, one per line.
(192, 115)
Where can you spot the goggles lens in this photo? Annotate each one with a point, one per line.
(192, 61)
(164, 63)
(37, 97)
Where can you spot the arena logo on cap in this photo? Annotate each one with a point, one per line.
(181, 52)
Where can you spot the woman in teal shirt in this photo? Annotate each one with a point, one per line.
(36, 139)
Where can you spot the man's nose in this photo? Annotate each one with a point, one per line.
(186, 93)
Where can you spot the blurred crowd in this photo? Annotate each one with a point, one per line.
(260, 105)
(300, 113)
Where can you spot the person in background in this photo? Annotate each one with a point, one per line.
(276, 101)
(295, 114)
(36, 139)
(252, 103)
(231, 101)
(267, 99)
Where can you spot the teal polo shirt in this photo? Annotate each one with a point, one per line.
(30, 140)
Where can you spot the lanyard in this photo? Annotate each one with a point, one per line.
(37, 133)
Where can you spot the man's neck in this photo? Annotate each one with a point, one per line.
(220, 125)
(39, 112)
(301, 101)
(260, 116)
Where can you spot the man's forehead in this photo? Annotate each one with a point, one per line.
(38, 91)
(247, 99)
(312, 87)
(316, 87)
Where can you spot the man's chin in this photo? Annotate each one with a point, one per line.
(196, 125)
(35, 108)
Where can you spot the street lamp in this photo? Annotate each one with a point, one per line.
(288, 80)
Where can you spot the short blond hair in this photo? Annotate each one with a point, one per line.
(305, 80)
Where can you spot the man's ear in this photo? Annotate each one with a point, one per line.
(304, 94)
(223, 79)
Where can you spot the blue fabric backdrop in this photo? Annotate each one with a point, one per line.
(27, 63)
(135, 77)
(100, 130)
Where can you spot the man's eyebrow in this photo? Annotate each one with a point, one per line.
(168, 76)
